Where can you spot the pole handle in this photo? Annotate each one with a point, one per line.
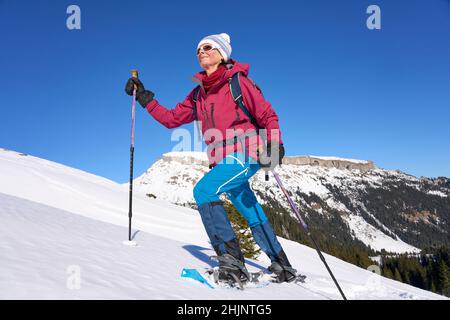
(135, 74)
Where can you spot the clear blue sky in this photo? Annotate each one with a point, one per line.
(339, 88)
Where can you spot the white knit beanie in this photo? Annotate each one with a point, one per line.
(221, 41)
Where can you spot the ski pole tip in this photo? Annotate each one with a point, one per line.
(130, 243)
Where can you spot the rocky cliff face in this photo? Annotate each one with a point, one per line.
(327, 162)
(331, 162)
(384, 209)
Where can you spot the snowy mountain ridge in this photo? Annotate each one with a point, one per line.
(341, 190)
(61, 238)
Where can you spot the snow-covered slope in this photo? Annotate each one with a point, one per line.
(77, 191)
(61, 224)
(173, 177)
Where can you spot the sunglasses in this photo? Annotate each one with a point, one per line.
(206, 48)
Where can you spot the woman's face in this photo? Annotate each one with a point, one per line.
(209, 57)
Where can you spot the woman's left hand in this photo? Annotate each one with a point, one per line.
(272, 156)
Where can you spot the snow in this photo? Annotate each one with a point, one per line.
(437, 193)
(190, 154)
(62, 234)
(173, 181)
(95, 197)
(375, 238)
(376, 259)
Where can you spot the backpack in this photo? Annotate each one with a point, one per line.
(236, 92)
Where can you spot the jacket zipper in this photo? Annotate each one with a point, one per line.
(205, 115)
(212, 115)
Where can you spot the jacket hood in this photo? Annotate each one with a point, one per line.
(233, 67)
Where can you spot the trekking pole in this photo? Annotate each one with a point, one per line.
(134, 73)
(305, 226)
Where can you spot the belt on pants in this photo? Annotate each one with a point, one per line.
(232, 141)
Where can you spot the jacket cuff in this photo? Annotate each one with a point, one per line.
(151, 105)
(145, 97)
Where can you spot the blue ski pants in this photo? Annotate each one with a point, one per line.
(231, 176)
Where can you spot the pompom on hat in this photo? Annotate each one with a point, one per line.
(221, 42)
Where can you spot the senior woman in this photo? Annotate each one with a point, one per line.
(233, 160)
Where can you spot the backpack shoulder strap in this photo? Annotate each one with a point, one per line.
(195, 98)
(236, 92)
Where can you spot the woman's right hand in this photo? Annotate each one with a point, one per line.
(131, 84)
(144, 97)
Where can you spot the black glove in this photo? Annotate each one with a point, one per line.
(272, 156)
(142, 96)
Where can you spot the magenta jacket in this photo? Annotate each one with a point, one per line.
(217, 110)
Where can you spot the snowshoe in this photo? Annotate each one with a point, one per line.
(232, 271)
(282, 273)
(232, 280)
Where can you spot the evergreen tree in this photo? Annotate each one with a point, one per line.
(243, 232)
(430, 271)
(386, 272)
(397, 275)
(433, 287)
(444, 278)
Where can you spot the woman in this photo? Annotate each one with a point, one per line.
(233, 159)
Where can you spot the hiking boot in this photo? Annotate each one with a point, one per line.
(282, 273)
(282, 269)
(230, 267)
